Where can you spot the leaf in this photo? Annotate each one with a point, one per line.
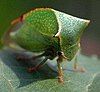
(15, 78)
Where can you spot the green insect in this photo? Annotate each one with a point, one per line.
(47, 31)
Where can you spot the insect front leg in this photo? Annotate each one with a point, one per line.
(60, 71)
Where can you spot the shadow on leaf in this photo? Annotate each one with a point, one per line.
(19, 68)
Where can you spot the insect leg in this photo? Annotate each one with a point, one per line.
(75, 63)
(37, 67)
(26, 58)
(76, 66)
(60, 72)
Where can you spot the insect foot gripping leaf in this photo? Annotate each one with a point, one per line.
(46, 30)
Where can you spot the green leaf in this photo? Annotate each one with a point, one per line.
(15, 78)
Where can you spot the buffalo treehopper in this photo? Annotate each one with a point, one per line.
(51, 32)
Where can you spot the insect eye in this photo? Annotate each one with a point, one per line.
(59, 53)
(53, 35)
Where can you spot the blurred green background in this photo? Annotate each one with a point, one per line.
(88, 9)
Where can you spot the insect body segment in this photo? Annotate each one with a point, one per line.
(38, 30)
(71, 29)
(20, 19)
